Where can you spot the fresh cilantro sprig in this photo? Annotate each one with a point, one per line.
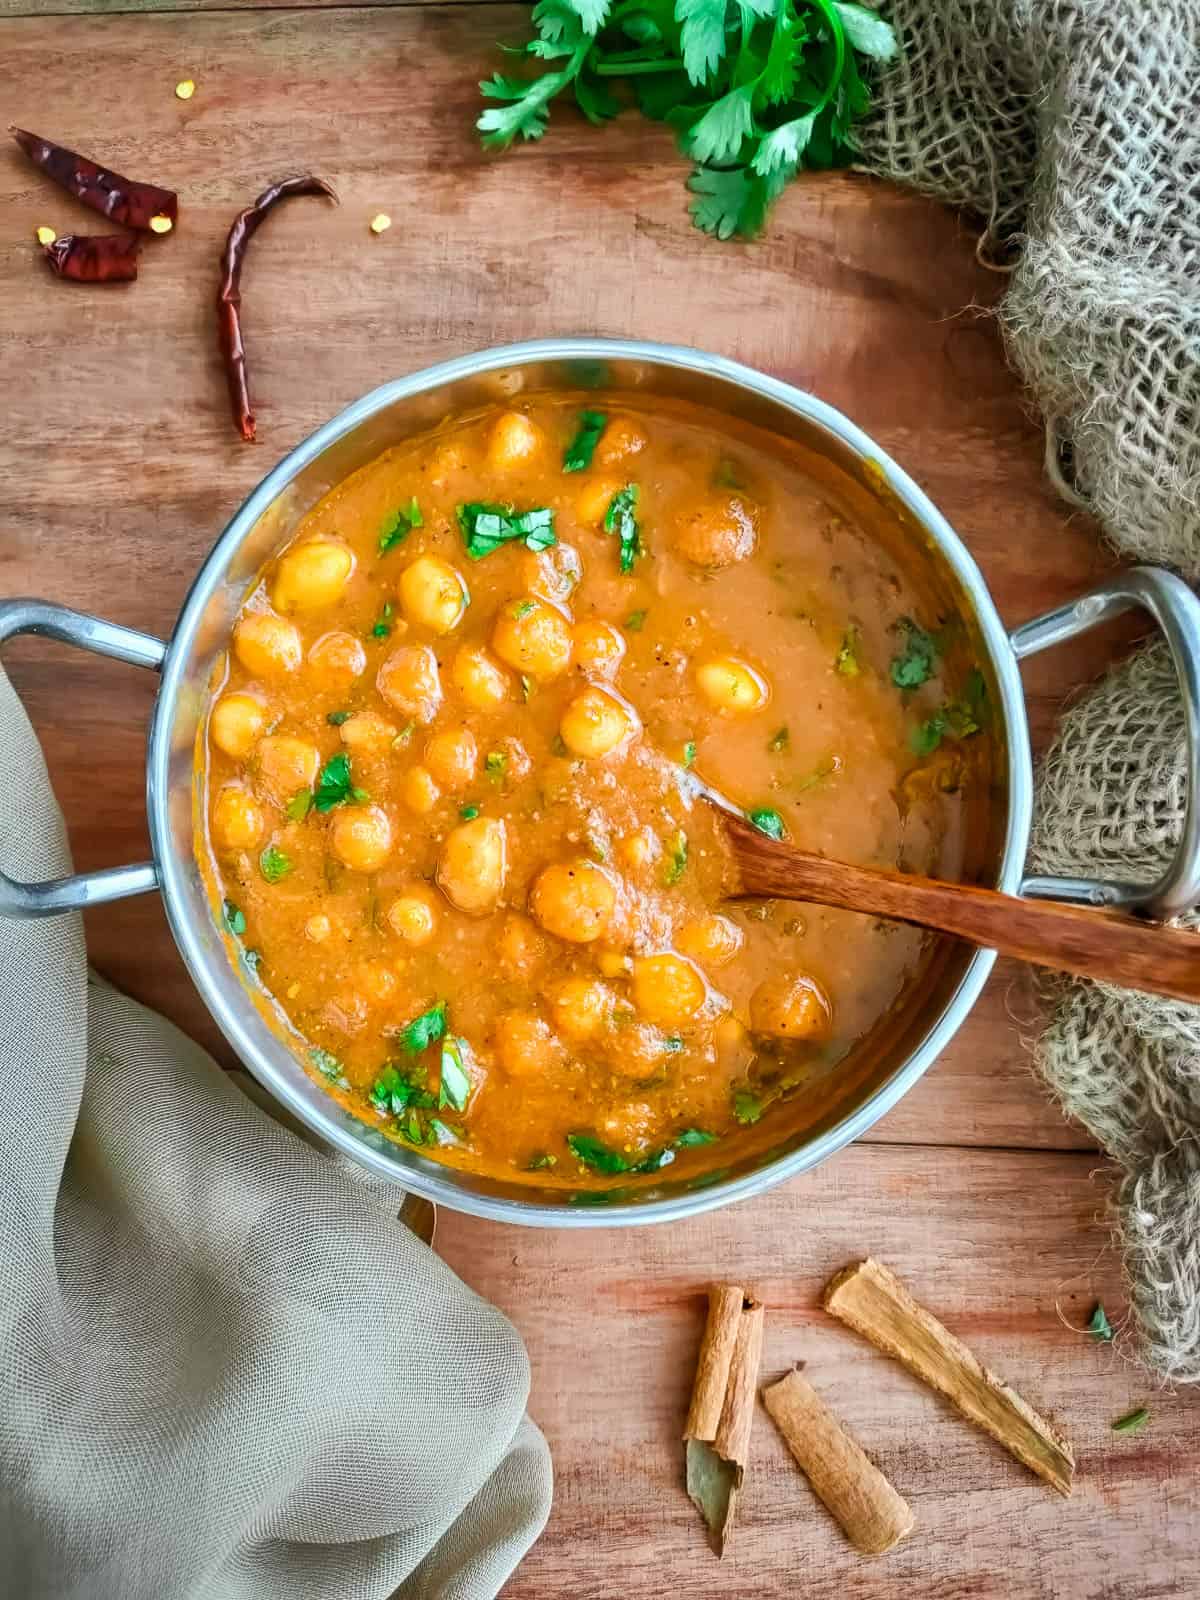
(755, 90)
(486, 527)
(582, 447)
(621, 519)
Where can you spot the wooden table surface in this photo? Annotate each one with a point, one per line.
(119, 466)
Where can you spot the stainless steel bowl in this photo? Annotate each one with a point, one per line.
(409, 405)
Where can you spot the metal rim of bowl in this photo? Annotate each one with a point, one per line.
(532, 1213)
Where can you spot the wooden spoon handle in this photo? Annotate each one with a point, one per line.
(1091, 943)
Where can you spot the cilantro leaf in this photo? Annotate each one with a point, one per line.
(677, 861)
(689, 753)
(635, 621)
(777, 80)
(455, 1087)
(717, 136)
(690, 1137)
(401, 526)
(593, 1153)
(747, 1107)
(583, 446)
(326, 1063)
(591, 13)
(336, 718)
(620, 519)
(866, 31)
(468, 813)
(274, 864)
(1100, 1327)
(486, 527)
(541, 1163)
(383, 625)
(927, 736)
(1131, 1421)
(527, 116)
(768, 821)
(393, 1092)
(733, 201)
(234, 917)
(335, 784)
(424, 1030)
(916, 662)
(495, 764)
(299, 805)
(702, 36)
(779, 152)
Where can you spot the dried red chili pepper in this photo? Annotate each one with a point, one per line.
(95, 257)
(229, 296)
(137, 205)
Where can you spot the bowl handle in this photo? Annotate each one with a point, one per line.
(1177, 612)
(104, 639)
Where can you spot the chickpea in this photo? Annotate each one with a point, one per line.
(452, 757)
(594, 499)
(473, 865)
(339, 657)
(581, 1008)
(409, 681)
(598, 648)
(235, 724)
(711, 940)
(791, 1005)
(266, 645)
(533, 638)
(520, 947)
(286, 765)
(312, 575)
(525, 1046)
(667, 989)
(318, 928)
(640, 848)
(418, 790)
(413, 915)
(481, 681)
(731, 686)
(596, 722)
(717, 531)
(513, 441)
(366, 733)
(574, 900)
(238, 821)
(433, 594)
(622, 438)
(552, 573)
(361, 837)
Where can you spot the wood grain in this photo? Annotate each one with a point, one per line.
(1009, 1249)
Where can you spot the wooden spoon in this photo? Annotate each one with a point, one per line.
(1113, 946)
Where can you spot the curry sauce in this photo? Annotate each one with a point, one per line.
(452, 785)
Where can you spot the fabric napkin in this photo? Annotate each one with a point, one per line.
(227, 1371)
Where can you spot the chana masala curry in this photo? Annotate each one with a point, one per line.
(452, 778)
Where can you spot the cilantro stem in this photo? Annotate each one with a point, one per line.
(616, 67)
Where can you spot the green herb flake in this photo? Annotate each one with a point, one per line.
(523, 608)
(1100, 1327)
(916, 661)
(233, 917)
(384, 625)
(689, 753)
(593, 1153)
(582, 447)
(424, 1030)
(486, 527)
(541, 1163)
(468, 813)
(673, 1043)
(691, 1137)
(336, 718)
(393, 1092)
(621, 519)
(274, 864)
(677, 860)
(401, 525)
(767, 821)
(335, 785)
(300, 805)
(1131, 1421)
(927, 735)
(846, 661)
(635, 621)
(495, 764)
(747, 1107)
(455, 1087)
(326, 1063)
(779, 741)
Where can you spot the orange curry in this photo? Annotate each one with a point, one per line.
(452, 769)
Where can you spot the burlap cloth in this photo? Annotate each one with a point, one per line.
(226, 1370)
(1073, 128)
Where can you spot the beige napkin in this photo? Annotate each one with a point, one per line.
(226, 1369)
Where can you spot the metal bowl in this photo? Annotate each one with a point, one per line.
(923, 1024)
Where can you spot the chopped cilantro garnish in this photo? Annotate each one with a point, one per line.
(846, 661)
(523, 608)
(234, 917)
(393, 1092)
(689, 753)
(581, 448)
(747, 1107)
(326, 1063)
(1100, 1327)
(694, 1136)
(635, 621)
(597, 1155)
(916, 661)
(402, 524)
(299, 805)
(495, 764)
(957, 719)
(486, 527)
(768, 821)
(541, 1163)
(425, 1029)
(274, 864)
(779, 741)
(468, 813)
(620, 518)
(384, 624)
(455, 1087)
(336, 718)
(673, 1043)
(676, 864)
(335, 784)
(1131, 1421)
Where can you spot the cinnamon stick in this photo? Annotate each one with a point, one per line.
(871, 1299)
(872, 1515)
(717, 1434)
